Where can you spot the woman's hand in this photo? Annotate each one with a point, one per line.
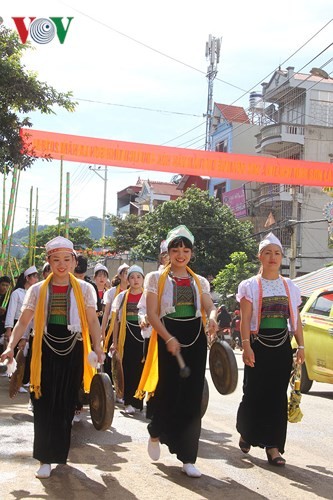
(172, 345)
(21, 345)
(248, 355)
(143, 322)
(212, 328)
(100, 354)
(7, 354)
(300, 356)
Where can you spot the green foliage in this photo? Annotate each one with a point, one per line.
(21, 93)
(216, 231)
(126, 232)
(227, 281)
(80, 236)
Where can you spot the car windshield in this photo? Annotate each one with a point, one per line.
(322, 305)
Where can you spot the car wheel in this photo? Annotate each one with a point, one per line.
(306, 383)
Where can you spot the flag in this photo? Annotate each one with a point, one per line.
(270, 220)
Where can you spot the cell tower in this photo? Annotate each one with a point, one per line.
(213, 47)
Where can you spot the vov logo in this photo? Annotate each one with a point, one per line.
(42, 29)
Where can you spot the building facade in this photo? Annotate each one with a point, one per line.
(298, 111)
(145, 196)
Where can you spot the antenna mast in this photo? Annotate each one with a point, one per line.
(213, 47)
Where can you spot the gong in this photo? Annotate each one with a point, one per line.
(17, 378)
(205, 398)
(117, 375)
(223, 367)
(101, 401)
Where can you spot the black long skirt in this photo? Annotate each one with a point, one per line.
(61, 378)
(262, 413)
(176, 408)
(132, 365)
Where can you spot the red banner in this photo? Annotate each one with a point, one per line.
(179, 160)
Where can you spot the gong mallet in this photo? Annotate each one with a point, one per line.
(184, 371)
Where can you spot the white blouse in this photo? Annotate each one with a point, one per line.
(167, 306)
(249, 289)
(109, 295)
(89, 297)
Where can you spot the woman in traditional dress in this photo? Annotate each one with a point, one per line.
(119, 283)
(269, 317)
(177, 301)
(101, 275)
(26, 279)
(127, 339)
(64, 314)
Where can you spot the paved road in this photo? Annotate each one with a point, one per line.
(114, 464)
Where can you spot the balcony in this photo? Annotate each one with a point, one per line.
(273, 139)
(268, 194)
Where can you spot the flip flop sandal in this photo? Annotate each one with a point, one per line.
(244, 446)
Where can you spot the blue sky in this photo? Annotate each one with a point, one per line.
(138, 72)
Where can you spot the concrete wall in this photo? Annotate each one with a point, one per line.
(113, 264)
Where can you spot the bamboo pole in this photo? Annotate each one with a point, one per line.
(8, 220)
(3, 200)
(6, 297)
(13, 219)
(16, 265)
(60, 196)
(30, 228)
(35, 230)
(67, 205)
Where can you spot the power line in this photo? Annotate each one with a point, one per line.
(245, 92)
(138, 107)
(157, 51)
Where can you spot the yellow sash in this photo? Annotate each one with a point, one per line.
(113, 319)
(122, 327)
(39, 319)
(149, 377)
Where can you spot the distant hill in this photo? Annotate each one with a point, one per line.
(94, 224)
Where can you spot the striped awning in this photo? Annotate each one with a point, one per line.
(317, 279)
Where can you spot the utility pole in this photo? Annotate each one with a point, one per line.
(105, 179)
(213, 47)
(293, 237)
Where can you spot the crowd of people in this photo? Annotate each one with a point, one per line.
(154, 323)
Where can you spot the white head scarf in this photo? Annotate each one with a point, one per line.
(270, 239)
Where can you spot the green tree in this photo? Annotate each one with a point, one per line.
(21, 93)
(125, 233)
(80, 236)
(216, 231)
(227, 281)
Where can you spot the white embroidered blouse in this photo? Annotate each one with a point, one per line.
(89, 297)
(167, 306)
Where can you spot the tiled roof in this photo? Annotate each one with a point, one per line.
(323, 278)
(167, 188)
(233, 113)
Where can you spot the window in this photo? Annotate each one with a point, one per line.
(219, 189)
(222, 147)
(322, 305)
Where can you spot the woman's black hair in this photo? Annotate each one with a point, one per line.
(180, 241)
(115, 280)
(20, 282)
(5, 279)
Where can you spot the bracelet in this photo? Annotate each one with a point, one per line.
(300, 347)
(169, 340)
(245, 340)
